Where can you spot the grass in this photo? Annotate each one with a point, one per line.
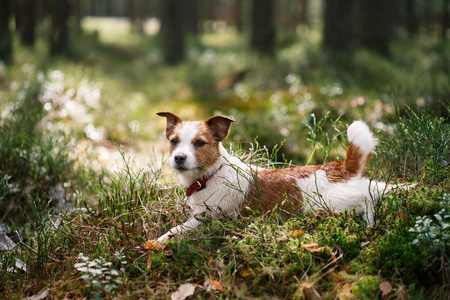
(94, 248)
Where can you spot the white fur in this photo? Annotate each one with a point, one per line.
(187, 133)
(359, 193)
(224, 192)
(359, 134)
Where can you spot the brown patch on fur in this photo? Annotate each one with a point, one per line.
(277, 188)
(208, 154)
(353, 160)
(351, 167)
(173, 134)
(172, 122)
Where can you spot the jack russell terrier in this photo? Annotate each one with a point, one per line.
(218, 182)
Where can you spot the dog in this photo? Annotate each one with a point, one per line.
(218, 182)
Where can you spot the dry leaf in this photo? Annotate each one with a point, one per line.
(314, 248)
(386, 288)
(346, 293)
(153, 246)
(184, 291)
(40, 296)
(336, 277)
(247, 273)
(295, 233)
(347, 287)
(213, 283)
(307, 291)
(211, 261)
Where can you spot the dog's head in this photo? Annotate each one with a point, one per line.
(194, 146)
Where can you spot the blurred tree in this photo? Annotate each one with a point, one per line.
(172, 33)
(27, 10)
(445, 19)
(5, 34)
(190, 16)
(304, 19)
(59, 36)
(237, 13)
(412, 18)
(376, 23)
(338, 32)
(263, 27)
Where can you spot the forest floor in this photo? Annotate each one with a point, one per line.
(84, 184)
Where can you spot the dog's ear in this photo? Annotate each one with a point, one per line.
(219, 126)
(172, 122)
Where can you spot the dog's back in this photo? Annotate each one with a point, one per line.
(334, 186)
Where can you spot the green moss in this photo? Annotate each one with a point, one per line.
(367, 287)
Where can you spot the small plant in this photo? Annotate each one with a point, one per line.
(101, 273)
(433, 236)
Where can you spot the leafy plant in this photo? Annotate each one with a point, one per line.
(433, 237)
(420, 143)
(101, 274)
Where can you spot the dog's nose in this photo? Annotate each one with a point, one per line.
(180, 159)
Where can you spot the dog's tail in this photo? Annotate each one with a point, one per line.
(362, 142)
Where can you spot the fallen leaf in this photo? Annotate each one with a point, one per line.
(347, 287)
(153, 246)
(336, 277)
(295, 233)
(346, 293)
(314, 248)
(386, 288)
(213, 283)
(247, 273)
(307, 291)
(6, 244)
(184, 291)
(40, 296)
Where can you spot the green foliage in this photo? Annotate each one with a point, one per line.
(34, 160)
(433, 238)
(297, 104)
(421, 142)
(100, 274)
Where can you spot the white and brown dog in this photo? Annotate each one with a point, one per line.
(218, 182)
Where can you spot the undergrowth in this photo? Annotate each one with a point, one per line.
(96, 246)
(326, 254)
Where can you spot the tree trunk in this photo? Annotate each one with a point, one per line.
(27, 21)
(263, 27)
(376, 24)
(237, 13)
(172, 36)
(190, 16)
(338, 32)
(412, 19)
(445, 19)
(5, 34)
(59, 36)
(304, 13)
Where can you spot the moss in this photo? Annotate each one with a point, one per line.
(367, 287)
(395, 252)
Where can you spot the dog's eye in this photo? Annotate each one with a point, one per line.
(173, 142)
(199, 143)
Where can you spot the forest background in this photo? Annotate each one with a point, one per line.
(83, 180)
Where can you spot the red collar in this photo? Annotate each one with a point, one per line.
(200, 183)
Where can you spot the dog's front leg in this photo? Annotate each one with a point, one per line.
(190, 224)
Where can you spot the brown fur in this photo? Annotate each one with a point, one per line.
(277, 188)
(207, 155)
